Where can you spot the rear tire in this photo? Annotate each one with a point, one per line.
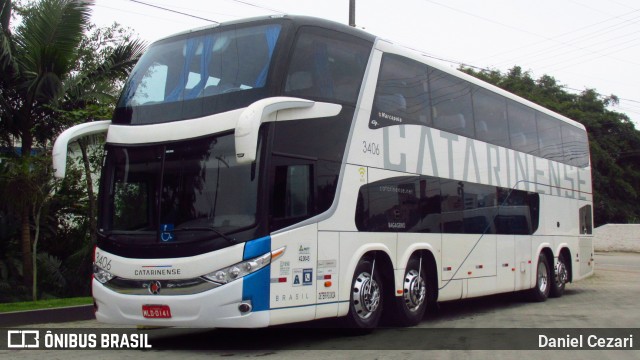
(366, 300)
(560, 277)
(542, 289)
(410, 307)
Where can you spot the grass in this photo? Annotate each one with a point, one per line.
(44, 304)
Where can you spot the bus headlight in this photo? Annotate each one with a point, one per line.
(241, 269)
(101, 274)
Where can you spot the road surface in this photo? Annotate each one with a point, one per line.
(609, 299)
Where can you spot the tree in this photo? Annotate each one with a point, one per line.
(45, 65)
(36, 59)
(25, 183)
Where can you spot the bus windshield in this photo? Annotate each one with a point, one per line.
(193, 67)
(197, 184)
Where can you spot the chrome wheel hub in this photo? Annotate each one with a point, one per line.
(366, 295)
(562, 275)
(543, 281)
(414, 290)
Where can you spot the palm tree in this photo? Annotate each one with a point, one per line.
(41, 69)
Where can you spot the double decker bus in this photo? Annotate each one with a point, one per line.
(286, 169)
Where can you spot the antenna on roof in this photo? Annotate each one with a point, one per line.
(352, 13)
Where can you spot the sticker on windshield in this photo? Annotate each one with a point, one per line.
(166, 232)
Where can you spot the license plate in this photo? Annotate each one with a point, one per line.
(156, 311)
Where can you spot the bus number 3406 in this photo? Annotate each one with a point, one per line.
(371, 148)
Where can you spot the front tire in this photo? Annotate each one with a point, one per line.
(366, 300)
(542, 289)
(560, 277)
(411, 306)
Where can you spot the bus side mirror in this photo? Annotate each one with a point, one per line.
(69, 135)
(246, 134)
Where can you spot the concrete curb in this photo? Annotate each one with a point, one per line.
(45, 316)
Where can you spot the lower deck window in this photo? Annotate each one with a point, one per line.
(426, 204)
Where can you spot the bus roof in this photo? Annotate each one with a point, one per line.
(297, 20)
(383, 45)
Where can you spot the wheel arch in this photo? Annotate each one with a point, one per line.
(548, 253)
(412, 250)
(382, 254)
(544, 248)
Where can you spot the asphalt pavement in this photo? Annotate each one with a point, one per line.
(607, 301)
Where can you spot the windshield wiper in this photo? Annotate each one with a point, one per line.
(209, 228)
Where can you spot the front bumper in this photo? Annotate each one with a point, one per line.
(218, 307)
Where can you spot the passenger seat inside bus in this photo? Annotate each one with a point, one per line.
(518, 141)
(299, 80)
(482, 130)
(454, 123)
(394, 104)
(217, 89)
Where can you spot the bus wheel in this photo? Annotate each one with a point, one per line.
(543, 280)
(410, 307)
(560, 277)
(365, 305)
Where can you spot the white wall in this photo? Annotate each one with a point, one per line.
(617, 237)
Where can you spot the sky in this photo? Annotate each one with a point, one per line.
(583, 44)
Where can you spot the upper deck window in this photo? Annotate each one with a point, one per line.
(402, 93)
(327, 65)
(186, 76)
(411, 92)
(451, 103)
(490, 116)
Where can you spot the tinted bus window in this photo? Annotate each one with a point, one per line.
(429, 200)
(452, 206)
(549, 138)
(586, 223)
(327, 65)
(523, 132)
(480, 208)
(425, 204)
(388, 205)
(490, 114)
(575, 146)
(185, 77)
(451, 103)
(402, 93)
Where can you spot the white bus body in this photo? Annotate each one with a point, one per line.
(274, 198)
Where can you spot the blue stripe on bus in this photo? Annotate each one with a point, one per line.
(255, 287)
(257, 247)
